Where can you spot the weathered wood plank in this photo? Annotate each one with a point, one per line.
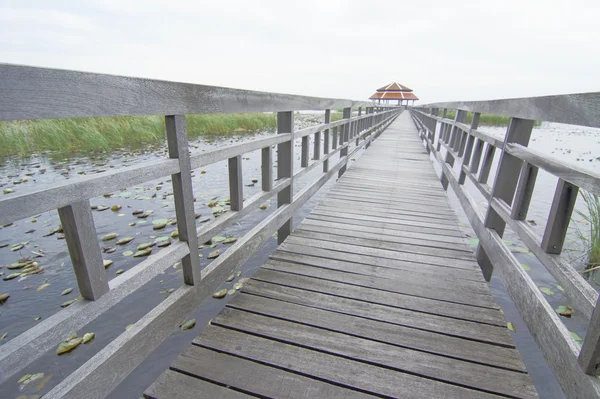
(174, 385)
(344, 372)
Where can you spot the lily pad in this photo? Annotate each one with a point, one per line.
(67, 291)
(115, 208)
(214, 254)
(525, 267)
(159, 226)
(230, 240)
(175, 233)
(576, 336)
(218, 239)
(68, 346)
(547, 291)
(11, 276)
(188, 324)
(163, 241)
(263, 207)
(42, 287)
(511, 327)
(145, 245)
(87, 337)
(127, 253)
(231, 291)
(560, 288)
(124, 241)
(220, 294)
(565, 311)
(137, 212)
(143, 252)
(102, 207)
(120, 271)
(8, 191)
(109, 236)
(107, 263)
(16, 247)
(160, 221)
(3, 298)
(230, 278)
(238, 286)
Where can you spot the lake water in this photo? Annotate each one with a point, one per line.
(26, 303)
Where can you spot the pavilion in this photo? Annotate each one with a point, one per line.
(394, 91)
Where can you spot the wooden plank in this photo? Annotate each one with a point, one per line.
(285, 169)
(383, 253)
(344, 136)
(373, 311)
(477, 352)
(431, 291)
(383, 212)
(341, 371)
(82, 240)
(436, 367)
(525, 187)
(239, 373)
(174, 385)
(267, 168)
(236, 183)
(559, 217)
(424, 305)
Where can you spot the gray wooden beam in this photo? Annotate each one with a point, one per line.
(266, 156)
(559, 217)
(236, 187)
(183, 195)
(344, 138)
(525, 187)
(326, 139)
(82, 240)
(285, 169)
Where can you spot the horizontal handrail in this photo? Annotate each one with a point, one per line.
(60, 94)
(40, 93)
(576, 109)
(508, 201)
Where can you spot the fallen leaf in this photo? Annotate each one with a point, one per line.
(565, 311)
(67, 291)
(42, 287)
(87, 337)
(109, 236)
(511, 327)
(220, 294)
(547, 291)
(230, 278)
(127, 253)
(68, 346)
(560, 288)
(115, 208)
(107, 263)
(188, 324)
(3, 298)
(143, 252)
(214, 254)
(124, 241)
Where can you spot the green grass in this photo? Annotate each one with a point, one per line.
(591, 236)
(101, 134)
(485, 119)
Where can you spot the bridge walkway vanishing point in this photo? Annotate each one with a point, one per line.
(376, 293)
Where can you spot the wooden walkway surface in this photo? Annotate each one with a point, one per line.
(376, 294)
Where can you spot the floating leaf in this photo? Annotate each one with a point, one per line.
(109, 236)
(560, 288)
(145, 246)
(214, 254)
(37, 318)
(511, 327)
(203, 220)
(160, 221)
(143, 252)
(263, 207)
(3, 298)
(107, 263)
(218, 239)
(68, 303)
(230, 240)
(24, 378)
(175, 233)
(115, 208)
(525, 267)
(102, 207)
(576, 336)
(220, 294)
(68, 346)
(119, 271)
(8, 191)
(547, 291)
(163, 241)
(230, 278)
(3, 336)
(87, 337)
(137, 212)
(16, 247)
(231, 291)
(42, 287)
(128, 326)
(127, 253)
(565, 311)
(188, 324)
(159, 226)
(12, 276)
(124, 241)
(67, 291)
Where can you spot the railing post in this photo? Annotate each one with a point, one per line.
(476, 158)
(82, 240)
(488, 158)
(285, 168)
(267, 168)
(183, 195)
(358, 125)
(524, 192)
(468, 150)
(344, 140)
(369, 124)
(589, 355)
(326, 141)
(505, 183)
(304, 155)
(459, 117)
(559, 217)
(236, 188)
(442, 133)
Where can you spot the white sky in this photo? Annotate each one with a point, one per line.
(444, 50)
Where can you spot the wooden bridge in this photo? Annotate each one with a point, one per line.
(375, 294)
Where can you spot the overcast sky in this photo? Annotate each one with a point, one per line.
(444, 50)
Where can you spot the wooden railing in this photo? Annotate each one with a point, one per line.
(509, 199)
(34, 93)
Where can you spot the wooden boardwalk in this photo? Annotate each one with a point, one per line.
(376, 294)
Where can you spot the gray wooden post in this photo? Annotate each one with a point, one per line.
(285, 168)
(82, 240)
(488, 158)
(236, 188)
(505, 183)
(346, 132)
(442, 131)
(334, 140)
(304, 155)
(524, 192)
(358, 125)
(459, 117)
(559, 217)
(476, 158)
(183, 196)
(326, 134)
(589, 355)
(468, 149)
(267, 168)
